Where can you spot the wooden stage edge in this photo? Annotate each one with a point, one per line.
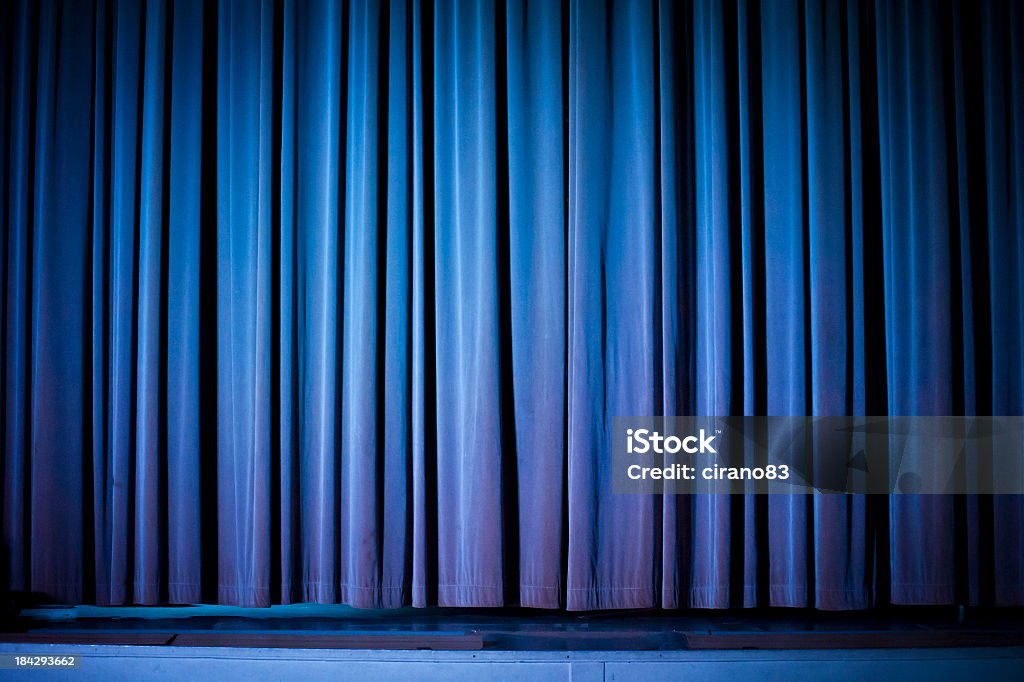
(476, 641)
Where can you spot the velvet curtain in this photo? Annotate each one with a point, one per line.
(334, 302)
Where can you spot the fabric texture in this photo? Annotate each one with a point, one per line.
(334, 302)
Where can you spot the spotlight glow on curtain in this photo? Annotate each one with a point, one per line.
(334, 302)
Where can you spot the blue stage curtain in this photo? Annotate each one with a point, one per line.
(334, 302)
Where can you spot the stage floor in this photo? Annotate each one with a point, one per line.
(108, 663)
(340, 627)
(313, 642)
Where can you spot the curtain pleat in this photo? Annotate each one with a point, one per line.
(243, 316)
(180, 330)
(1002, 61)
(57, 243)
(716, 264)
(335, 301)
(533, 329)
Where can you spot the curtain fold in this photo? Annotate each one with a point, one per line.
(335, 301)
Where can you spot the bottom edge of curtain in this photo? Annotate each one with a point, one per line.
(470, 595)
